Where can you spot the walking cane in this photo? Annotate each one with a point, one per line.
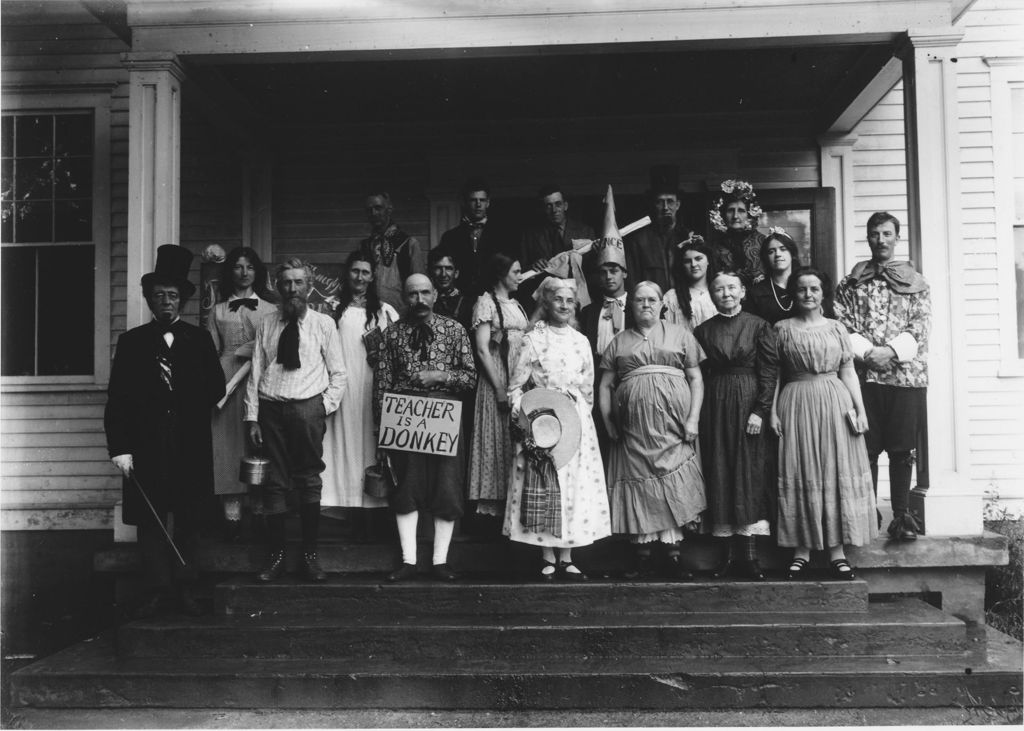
(159, 522)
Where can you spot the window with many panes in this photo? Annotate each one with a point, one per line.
(46, 242)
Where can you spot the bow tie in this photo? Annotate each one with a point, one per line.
(250, 302)
(609, 301)
(900, 275)
(475, 224)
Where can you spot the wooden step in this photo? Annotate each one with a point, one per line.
(91, 675)
(354, 596)
(903, 628)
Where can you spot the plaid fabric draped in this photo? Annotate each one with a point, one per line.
(541, 508)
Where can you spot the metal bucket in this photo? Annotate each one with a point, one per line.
(253, 470)
(375, 482)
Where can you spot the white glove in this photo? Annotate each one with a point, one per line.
(123, 462)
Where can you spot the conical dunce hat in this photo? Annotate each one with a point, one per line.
(550, 417)
(609, 247)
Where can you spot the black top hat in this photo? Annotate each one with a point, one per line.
(665, 180)
(172, 265)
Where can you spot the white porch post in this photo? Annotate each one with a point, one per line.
(953, 506)
(154, 160)
(837, 172)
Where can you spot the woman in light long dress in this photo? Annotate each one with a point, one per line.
(650, 395)
(247, 298)
(499, 323)
(555, 355)
(349, 446)
(688, 303)
(826, 496)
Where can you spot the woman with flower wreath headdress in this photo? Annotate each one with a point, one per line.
(734, 216)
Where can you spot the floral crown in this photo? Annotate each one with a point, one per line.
(691, 239)
(737, 189)
(779, 231)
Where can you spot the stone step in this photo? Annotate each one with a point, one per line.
(246, 718)
(361, 597)
(906, 628)
(91, 675)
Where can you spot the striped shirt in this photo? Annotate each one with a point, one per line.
(322, 370)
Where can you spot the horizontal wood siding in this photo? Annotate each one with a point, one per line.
(53, 460)
(995, 405)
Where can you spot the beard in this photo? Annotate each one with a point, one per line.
(294, 307)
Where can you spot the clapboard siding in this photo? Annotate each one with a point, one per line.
(995, 404)
(52, 452)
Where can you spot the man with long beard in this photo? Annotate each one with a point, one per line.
(298, 379)
(425, 354)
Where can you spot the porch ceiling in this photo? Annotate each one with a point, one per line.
(809, 85)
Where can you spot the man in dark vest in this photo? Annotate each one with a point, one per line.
(476, 239)
(394, 253)
(453, 302)
(165, 380)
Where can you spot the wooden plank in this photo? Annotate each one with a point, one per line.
(53, 454)
(54, 398)
(75, 518)
(66, 469)
(68, 411)
(62, 426)
(59, 440)
(14, 498)
(105, 483)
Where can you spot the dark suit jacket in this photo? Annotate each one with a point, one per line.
(166, 432)
(543, 242)
(459, 243)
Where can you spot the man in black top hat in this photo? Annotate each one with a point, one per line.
(651, 250)
(165, 379)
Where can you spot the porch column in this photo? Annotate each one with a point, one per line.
(953, 506)
(837, 172)
(154, 159)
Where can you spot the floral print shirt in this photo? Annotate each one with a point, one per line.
(448, 351)
(876, 315)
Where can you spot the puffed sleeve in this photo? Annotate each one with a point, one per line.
(766, 364)
(522, 370)
(844, 340)
(483, 311)
(691, 351)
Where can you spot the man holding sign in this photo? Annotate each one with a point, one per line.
(426, 365)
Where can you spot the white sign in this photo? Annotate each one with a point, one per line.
(420, 424)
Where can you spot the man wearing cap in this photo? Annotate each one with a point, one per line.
(394, 253)
(476, 239)
(605, 318)
(164, 382)
(298, 380)
(886, 307)
(554, 235)
(650, 250)
(425, 354)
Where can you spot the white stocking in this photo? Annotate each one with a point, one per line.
(407, 535)
(443, 530)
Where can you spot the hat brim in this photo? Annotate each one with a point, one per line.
(185, 288)
(564, 409)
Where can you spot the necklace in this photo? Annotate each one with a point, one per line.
(776, 296)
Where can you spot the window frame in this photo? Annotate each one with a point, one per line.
(98, 104)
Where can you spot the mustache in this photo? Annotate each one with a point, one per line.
(420, 308)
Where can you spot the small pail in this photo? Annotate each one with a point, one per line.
(375, 484)
(253, 470)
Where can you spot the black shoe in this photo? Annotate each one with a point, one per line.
(842, 570)
(904, 527)
(674, 569)
(750, 570)
(797, 567)
(442, 572)
(546, 575)
(643, 567)
(274, 569)
(311, 567)
(566, 575)
(403, 573)
(724, 569)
